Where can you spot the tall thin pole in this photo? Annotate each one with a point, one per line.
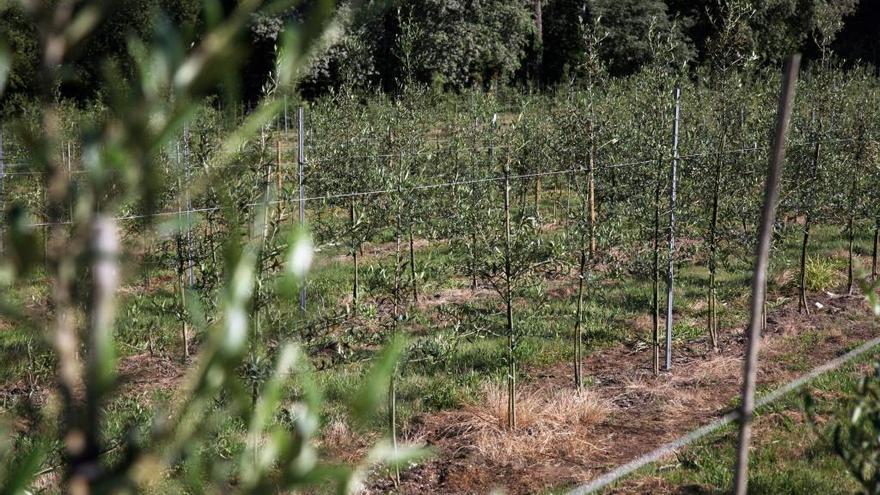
(301, 160)
(759, 279)
(2, 176)
(670, 272)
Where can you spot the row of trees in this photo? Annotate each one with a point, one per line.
(593, 163)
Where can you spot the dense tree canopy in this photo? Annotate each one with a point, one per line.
(463, 43)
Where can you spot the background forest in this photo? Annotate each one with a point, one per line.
(454, 44)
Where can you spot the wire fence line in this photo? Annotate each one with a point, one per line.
(624, 470)
(356, 194)
(422, 187)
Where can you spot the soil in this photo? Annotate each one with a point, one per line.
(645, 411)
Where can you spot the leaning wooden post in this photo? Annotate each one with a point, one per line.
(301, 161)
(670, 270)
(759, 278)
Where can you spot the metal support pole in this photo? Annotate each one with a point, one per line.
(759, 278)
(670, 274)
(301, 160)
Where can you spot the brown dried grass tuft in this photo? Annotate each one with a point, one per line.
(549, 422)
(690, 388)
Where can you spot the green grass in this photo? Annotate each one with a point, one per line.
(456, 348)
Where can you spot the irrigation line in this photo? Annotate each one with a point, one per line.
(694, 435)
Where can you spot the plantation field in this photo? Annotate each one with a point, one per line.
(421, 247)
(450, 391)
(487, 275)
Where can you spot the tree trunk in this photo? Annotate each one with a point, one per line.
(412, 265)
(181, 270)
(508, 296)
(392, 420)
(655, 273)
(712, 322)
(473, 258)
(850, 279)
(591, 180)
(355, 289)
(874, 250)
(537, 197)
(578, 325)
(398, 259)
(803, 305)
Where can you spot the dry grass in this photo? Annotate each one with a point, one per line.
(549, 422)
(787, 278)
(453, 296)
(340, 442)
(688, 389)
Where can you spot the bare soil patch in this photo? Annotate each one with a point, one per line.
(139, 376)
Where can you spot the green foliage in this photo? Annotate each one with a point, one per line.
(123, 159)
(389, 45)
(856, 439)
(821, 274)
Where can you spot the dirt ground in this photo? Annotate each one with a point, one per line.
(566, 438)
(630, 411)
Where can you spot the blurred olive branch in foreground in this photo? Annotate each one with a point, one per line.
(141, 119)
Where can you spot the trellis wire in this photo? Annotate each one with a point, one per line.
(419, 187)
